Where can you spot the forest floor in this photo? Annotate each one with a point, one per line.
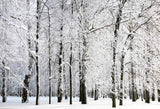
(15, 103)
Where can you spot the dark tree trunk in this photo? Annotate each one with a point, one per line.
(80, 74)
(4, 87)
(92, 93)
(70, 74)
(37, 50)
(70, 68)
(60, 95)
(26, 89)
(64, 79)
(84, 25)
(65, 83)
(83, 93)
(4, 34)
(133, 85)
(66, 97)
(37, 81)
(132, 73)
(59, 92)
(80, 91)
(50, 84)
(49, 55)
(144, 95)
(96, 92)
(83, 79)
(147, 93)
(147, 96)
(125, 93)
(121, 80)
(132, 76)
(25, 93)
(158, 91)
(113, 73)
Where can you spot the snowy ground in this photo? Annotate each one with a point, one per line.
(15, 103)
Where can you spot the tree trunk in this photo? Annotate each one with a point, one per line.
(59, 92)
(137, 95)
(30, 64)
(70, 74)
(158, 91)
(147, 96)
(121, 79)
(80, 74)
(49, 55)
(64, 78)
(65, 83)
(147, 93)
(84, 25)
(4, 34)
(26, 89)
(83, 79)
(133, 84)
(4, 87)
(132, 71)
(83, 93)
(96, 92)
(92, 93)
(144, 95)
(37, 50)
(50, 83)
(130, 86)
(153, 93)
(70, 68)
(113, 73)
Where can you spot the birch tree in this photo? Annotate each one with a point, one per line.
(59, 92)
(37, 49)
(116, 29)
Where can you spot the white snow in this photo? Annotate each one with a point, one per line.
(15, 103)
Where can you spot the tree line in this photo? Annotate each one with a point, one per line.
(99, 48)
